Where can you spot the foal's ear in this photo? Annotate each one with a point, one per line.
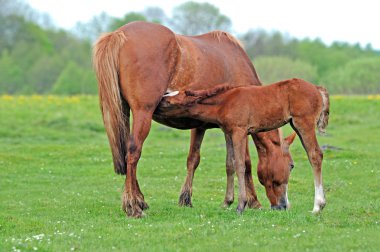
(290, 139)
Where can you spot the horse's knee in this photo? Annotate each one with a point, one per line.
(230, 170)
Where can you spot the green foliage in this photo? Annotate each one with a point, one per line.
(59, 192)
(10, 74)
(192, 18)
(273, 69)
(34, 57)
(75, 80)
(357, 76)
(130, 17)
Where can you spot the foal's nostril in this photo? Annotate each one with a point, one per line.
(291, 166)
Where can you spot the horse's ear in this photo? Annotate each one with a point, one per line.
(290, 139)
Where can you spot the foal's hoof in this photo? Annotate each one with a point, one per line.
(318, 208)
(185, 199)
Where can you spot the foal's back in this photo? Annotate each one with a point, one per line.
(267, 107)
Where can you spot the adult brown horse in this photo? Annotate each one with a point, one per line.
(248, 110)
(135, 66)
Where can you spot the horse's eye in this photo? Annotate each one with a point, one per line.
(291, 166)
(276, 184)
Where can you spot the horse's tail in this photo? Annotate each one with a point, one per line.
(114, 108)
(323, 120)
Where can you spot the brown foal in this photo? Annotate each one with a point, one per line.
(248, 110)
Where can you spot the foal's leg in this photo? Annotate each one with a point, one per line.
(230, 171)
(239, 146)
(133, 200)
(306, 132)
(252, 201)
(193, 160)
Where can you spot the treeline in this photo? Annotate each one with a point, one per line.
(36, 57)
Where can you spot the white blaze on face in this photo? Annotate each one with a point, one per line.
(171, 93)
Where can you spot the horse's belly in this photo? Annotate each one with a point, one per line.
(182, 123)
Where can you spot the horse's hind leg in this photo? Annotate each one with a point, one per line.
(252, 201)
(306, 132)
(192, 163)
(133, 200)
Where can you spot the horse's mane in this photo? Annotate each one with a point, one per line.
(220, 34)
(201, 95)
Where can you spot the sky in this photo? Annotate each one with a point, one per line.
(330, 20)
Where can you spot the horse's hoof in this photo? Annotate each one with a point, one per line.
(185, 199)
(132, 206)
(143, 205)
(227, 203)
(241, 207)
(141, 202)
(253, 203)
(239, 210)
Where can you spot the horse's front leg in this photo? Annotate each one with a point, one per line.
(193, 160)
(252, 201)
(133, 200)
(239, 147)
(306, 132)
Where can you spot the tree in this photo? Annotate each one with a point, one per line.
(259, 43)
(155, 15)
(359, 76)
(91, 30)
(192, 18)
(75, 80)
(11, 78)
(129, 17)
(273, 69)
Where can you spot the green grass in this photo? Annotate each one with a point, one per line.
(58, 191)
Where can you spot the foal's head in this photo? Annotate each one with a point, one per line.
(275, 165)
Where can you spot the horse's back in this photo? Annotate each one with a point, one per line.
(216, 57)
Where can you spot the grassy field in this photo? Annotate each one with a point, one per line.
(58, 191)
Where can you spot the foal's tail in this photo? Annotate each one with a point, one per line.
(323, 120)
(114, 108)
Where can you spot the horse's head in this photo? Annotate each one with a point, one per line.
(275, 165)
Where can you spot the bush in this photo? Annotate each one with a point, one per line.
(273, 69)
(75, 80)
(360, 76)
